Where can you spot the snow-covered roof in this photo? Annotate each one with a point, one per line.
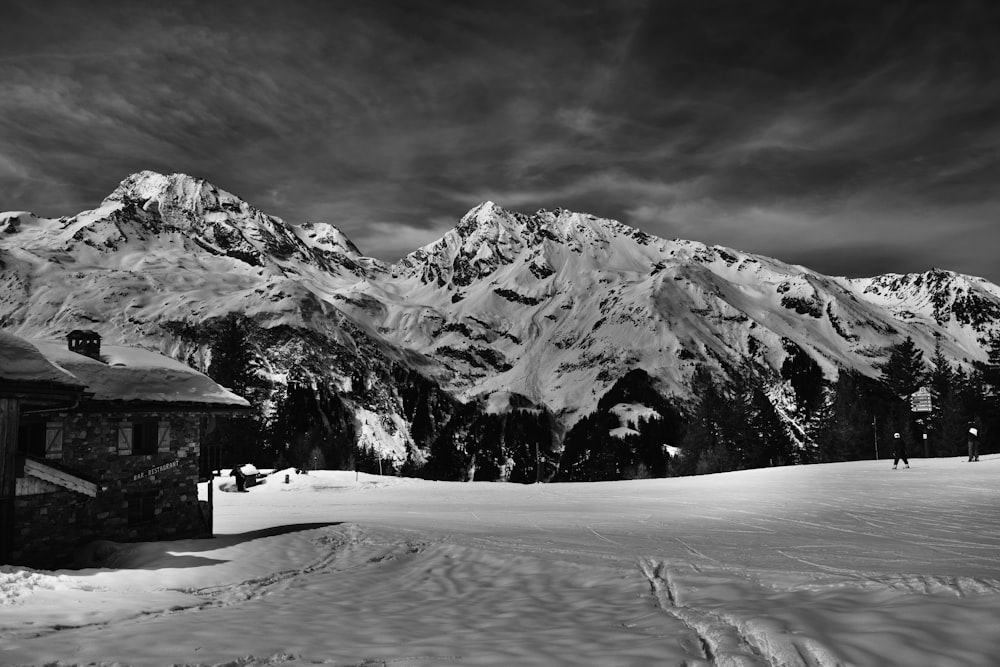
(129, 374)
(60, 477)
(20, 361)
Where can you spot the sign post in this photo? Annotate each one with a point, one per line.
(922, 403)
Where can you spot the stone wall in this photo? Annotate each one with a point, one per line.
(161, 486)
(50, 527)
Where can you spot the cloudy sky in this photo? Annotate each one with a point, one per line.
(854, 137)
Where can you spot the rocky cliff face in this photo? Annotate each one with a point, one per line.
(480, 350)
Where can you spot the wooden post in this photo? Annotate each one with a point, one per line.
(10, 412)
(875, 432)
(211, 503)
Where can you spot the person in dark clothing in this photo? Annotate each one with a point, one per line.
(241, 479)
(899, 450)
(973, 444)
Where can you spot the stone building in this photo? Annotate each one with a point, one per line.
(113, 456)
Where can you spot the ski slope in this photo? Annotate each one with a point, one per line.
(838, 564)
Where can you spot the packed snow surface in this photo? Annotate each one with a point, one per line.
(838, 564)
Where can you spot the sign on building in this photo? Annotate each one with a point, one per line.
(153, 471)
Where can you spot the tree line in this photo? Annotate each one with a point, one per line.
(754, 417)
(733, 425)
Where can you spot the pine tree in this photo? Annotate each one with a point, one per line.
(291, 421)
(804, 375)
(946, 421)
(761, 435)
(981, 393)
(234, 365)
(826, 431)
(596, 450)
(993, 347)
(855, 419)
(312, 423)
(732, 427)
(702, 444)
(904, 370)
(988, 412)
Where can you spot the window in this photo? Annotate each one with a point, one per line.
(40, 439)
(31, 438)
(146, 436)
(144, 440)
(141, 507)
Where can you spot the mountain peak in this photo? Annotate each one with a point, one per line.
(325, 237)
(178, 191)
(487, 215)
(11, 221)
(489, 220)
(484, 211)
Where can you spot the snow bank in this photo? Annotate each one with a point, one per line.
(17, 583)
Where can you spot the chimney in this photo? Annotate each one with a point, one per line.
(87, 343)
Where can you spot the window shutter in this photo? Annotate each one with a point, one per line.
(53, 440)
(125, 438)
(163, 437)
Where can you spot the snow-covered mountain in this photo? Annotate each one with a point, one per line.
(558, 305)
(164, 257)
(507, 311)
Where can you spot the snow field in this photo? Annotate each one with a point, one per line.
(839, 564)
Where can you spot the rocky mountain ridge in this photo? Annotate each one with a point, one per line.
(507, 312)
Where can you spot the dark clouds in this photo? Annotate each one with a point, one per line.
(853, 137)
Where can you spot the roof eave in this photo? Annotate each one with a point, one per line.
(33, 393)
(99, 405)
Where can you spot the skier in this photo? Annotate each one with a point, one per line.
(973, 444)
(899, 450)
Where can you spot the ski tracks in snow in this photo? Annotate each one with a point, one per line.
(336, 543)
(336, 546)
(721, 640)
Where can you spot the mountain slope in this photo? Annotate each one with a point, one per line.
(559, 305)
(164, 259)
(512, 314)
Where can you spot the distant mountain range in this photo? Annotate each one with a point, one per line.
(543, 312)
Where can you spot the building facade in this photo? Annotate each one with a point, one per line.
(120, 462)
